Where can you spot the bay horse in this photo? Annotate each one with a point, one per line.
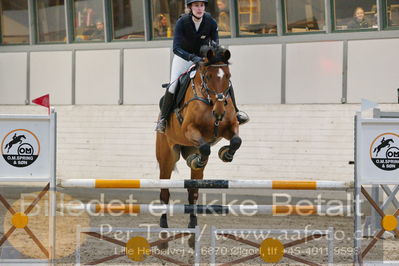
(206, 116)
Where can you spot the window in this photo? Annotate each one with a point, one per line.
(51, 21)
(304, 15)
(165, 13)
(257, 17)
(392, 13)
(223, 17)
(14, 21)
(355, 15)
(88, 20)
(127, 19)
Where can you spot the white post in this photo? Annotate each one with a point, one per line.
(213, 246)
(77, 256)
(53, 185)
(357, 219)
(330, 239)
(197, 245)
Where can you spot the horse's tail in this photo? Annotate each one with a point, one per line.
(6, 147)
(375, 149)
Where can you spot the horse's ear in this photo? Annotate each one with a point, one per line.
(226, 55)
(210, 54)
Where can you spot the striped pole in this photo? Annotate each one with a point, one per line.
(210, 184)
(158, 209)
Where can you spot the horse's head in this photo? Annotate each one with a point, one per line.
(215, 75)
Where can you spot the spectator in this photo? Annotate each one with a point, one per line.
(358, 22)
(161, 26)
(98, 33)
(223, 18)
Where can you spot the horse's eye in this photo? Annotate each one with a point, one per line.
(209, 76)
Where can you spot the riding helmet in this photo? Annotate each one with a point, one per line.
(192, 1)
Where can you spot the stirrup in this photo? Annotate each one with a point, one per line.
(161, 126)
(242, 117)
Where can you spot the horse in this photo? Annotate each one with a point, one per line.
(15, 139)
(384, 143)
(206, 116)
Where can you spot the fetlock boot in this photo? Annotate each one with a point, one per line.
(165, 111)
(242, 117)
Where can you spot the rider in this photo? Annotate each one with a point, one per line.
(191, 32)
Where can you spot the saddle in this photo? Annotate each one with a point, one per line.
(181, 88)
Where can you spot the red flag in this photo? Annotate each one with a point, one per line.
(43, 101)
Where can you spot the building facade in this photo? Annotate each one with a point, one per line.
(119, 51)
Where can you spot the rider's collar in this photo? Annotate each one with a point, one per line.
(196, 19)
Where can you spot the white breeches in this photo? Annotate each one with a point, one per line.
(179, 66)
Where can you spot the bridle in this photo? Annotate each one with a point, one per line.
(206, 91)
(220, 97)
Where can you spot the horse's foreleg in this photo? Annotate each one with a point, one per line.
(197, 161)
(226, 153)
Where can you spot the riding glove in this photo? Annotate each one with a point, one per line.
(195, 59)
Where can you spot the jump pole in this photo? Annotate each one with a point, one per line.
(158, 209)
(208, 184)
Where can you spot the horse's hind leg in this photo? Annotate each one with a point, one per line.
(167, 158)
(192, 199)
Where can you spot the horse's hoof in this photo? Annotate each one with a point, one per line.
(164, 245)
(192, 162)
(193, 222)
(224, 155)
(191, 242)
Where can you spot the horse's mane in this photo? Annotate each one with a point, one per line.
(217, 52)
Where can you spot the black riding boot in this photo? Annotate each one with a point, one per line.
(165, 111)
(242, 117)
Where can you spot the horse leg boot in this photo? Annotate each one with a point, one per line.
(226, 153)
(163, 223)
(198, 161)
(165, 111)
(242, 117)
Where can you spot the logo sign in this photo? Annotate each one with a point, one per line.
(20, 147)
(384, 151)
